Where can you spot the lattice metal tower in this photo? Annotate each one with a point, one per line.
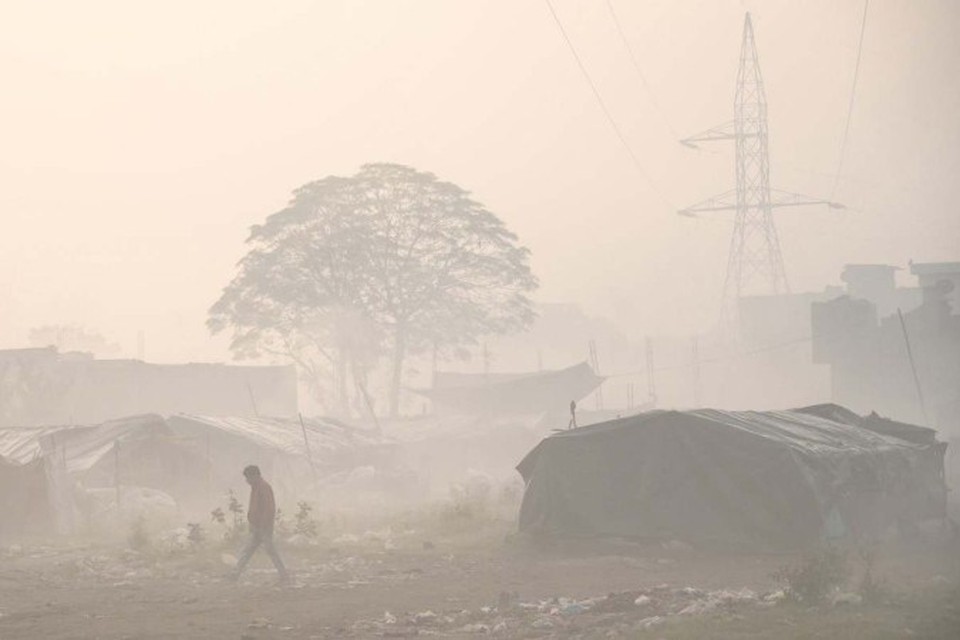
(755, 264)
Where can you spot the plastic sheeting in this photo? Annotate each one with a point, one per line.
(514, 394)
(772, 479)
(279, 434)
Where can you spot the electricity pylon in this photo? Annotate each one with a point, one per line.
(755, 264)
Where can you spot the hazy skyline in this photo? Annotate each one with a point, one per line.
(142, 141)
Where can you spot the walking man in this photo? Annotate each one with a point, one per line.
(260, 514)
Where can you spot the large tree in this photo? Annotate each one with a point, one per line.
(390, 260)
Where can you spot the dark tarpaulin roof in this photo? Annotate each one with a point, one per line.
(873, 422)
(776, 479)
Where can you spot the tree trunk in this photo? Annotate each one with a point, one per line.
(399, 354)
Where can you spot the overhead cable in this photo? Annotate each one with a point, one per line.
(640, 74)
(605, 110)
(853, 94)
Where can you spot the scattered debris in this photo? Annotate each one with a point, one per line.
(649, 623)
(615, 613)
(847, 598)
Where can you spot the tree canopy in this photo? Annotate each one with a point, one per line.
(390, 260)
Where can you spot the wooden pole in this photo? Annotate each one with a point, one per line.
(253, 399)
(913, 368)
(306, 444)
(696, 373)
(369, 403)
(116, 472)
(209, 468)
(651, 372)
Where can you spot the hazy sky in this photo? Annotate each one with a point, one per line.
(140, 140)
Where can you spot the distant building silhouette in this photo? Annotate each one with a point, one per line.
(46, 387)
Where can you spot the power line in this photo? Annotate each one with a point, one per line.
(606, 111)
(640, 74)
(853, 93)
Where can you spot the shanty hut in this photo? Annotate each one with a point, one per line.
(511, 393)
(292, 453)
(192, 459)
(774, 479)
(25, 500)
(112, 457)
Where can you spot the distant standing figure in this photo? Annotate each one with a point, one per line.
(261, 514)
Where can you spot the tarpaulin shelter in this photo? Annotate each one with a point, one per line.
(773, 479)
(291, 453)
(25, 500)
(137, 451)
(193, 459)
(511, 393)
(36, 494)
(80, 448)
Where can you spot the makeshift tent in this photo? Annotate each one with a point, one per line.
(138, 451)
(193, 459)
(23, 444)
(290, 453)
(36, 496)
(777, 479)
(504, 394)
(24, 499)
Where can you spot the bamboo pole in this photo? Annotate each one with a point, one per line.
(116, 472)
(306, 444)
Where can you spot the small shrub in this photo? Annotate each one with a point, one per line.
(816, 576)
(236, 526)
(305, 525)
(236, 509)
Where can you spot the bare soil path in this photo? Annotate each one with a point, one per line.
(108, 593)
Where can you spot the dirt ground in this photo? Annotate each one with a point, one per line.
(469, 580)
